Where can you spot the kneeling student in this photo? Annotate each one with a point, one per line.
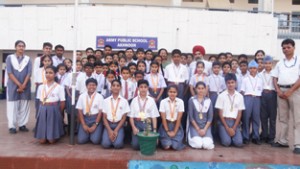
(200, 117)
(142, 107)
(230, 104)
(171, 110)
(114, 116)
(90, 107)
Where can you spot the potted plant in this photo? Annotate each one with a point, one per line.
(147, 139)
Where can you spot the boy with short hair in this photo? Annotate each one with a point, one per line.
(243, 74)
(89, 108)
(148, 59)
(230, 104)
(140, 54)
(98, 75)
(251, 89)
(176, 73)
(142, 107)
(268, 112)
(82, 77)
(128, 87)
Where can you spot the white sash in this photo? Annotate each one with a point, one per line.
(206, 105)
(19, 66)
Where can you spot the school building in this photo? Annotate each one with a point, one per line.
(237, 26)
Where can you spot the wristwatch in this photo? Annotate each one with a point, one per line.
(96, 123)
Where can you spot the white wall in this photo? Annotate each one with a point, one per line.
(237, 32)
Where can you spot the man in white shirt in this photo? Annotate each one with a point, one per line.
(287, 82)
(199, 52)
(58, 58)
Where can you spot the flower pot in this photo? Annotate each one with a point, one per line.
(147, 143)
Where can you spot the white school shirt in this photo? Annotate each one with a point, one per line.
(177, 74)
(196, 78)
(131, 88)
(80, 83)
(123, 108)
(40, 76)
(252, 85)
(207, 69)
(57, 94)
(106, 91)
(63, 80)
(165, 107)
(157, 78)
(56, 60)
(287, 71)
(216, 83)
(97, 104)
(100, 79)
(147, 65)
(150, 108)
(267, 80)
(239, 80)
(36, 66)
(224, 103)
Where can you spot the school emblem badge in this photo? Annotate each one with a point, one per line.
(151, 44)
(100, 43)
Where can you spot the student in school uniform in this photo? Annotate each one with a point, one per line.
(49, 126)
(200, 116)
(110, 75)
(140, 54)
(142, 107)
(268, 103)
(114, 116)
(251, 89)
(18, 69)
(132, 69)
(226, 68)
(156, 81)
(171, 110)
(141, 66)
(89, 106)
(40, 77)
(242, 75)
(148, 59)
(216, 85)
(230, 104)
(129, 53)
(87, 74)
(127, 85)
(198, 76)
(176, 73)
(98, 75)
(61, 78)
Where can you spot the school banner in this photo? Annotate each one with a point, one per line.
(123, 42)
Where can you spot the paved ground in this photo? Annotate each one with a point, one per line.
(23, 147)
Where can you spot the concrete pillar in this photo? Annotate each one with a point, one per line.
(265, 5)
(176, 2)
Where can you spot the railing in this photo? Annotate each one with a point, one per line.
(289, 29)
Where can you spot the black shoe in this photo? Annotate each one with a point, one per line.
(245, 141)
(297, 151)
(12, 131)
(256, 141)
(23, 129)
(270, 141)
(279, 145)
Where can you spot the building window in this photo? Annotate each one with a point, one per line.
(231, 1)
(296, 2)
(295, 22)
(253, 1)
(283, 20)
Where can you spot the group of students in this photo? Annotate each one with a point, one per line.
(189, 98)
